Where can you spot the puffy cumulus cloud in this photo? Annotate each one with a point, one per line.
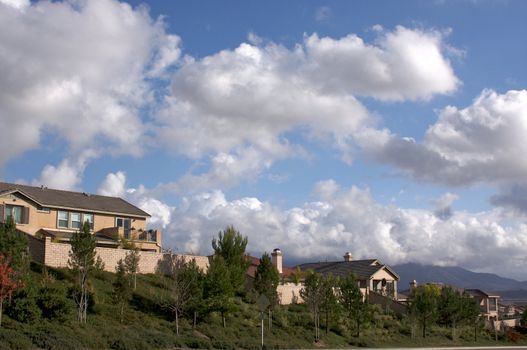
(114, 185)
(351, 220)
(80, 70)
(512, 197)
(483, 142)
(17, 4)
(249, 99)
(405, 64)
(67, 175)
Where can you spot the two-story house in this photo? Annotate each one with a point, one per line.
(42, 212)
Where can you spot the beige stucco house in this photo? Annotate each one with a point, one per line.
(371, 274)
(377, 282)
(42, 212)
(488, 303)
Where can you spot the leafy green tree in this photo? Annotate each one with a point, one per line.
(52, 301)
(131, 263)
(266, 282)
(455, 308)
(14, 247)
(81, 261)
(218, 288)
(352, 301)
(122, 291)
(329, 304)
(266, 279)
(312, 295)
(230, 245)
(424, 300)
(471, 314)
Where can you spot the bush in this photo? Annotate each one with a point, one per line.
(10, 339)
(23, 307)
(53, 302)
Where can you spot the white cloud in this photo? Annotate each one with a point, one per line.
(79, 70)
(67, 175)
(17, 4)
(483, 142)
(407, 64)
(248, 99)
(350, 220)
(114, 185)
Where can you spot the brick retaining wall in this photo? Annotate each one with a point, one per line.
(55, 254)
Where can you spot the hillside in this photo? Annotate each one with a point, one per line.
(460, 277)
(147, 325)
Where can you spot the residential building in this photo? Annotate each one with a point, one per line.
(488, 303)
(42, 212)
(372, 276)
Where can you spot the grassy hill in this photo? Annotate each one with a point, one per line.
(147, 325)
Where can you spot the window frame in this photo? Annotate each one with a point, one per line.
(78, 222)
(9, 208)
(67, 219)
(70, 221)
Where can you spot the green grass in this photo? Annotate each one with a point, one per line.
(147, 325)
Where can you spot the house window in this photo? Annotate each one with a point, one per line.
(75, 220)
(89, 219)
(63, 219)
(125, 223)
(44, 210)
(15, 212)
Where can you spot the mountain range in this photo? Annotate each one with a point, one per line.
(507, 288)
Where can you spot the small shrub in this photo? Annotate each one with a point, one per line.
(23, 307)
(53, 302)
(10, 339)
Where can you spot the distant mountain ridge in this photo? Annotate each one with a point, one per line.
(460, 277)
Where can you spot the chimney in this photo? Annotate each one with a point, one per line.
(413, 285)
(276, 257)
(348, 256)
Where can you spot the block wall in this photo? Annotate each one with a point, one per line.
(57, 254)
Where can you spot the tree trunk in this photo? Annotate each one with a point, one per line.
(327, 322)
(177, 323)
(135, 281)
(194, 323)
(223, 320)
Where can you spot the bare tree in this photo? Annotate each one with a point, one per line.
(131, 263)
(182, 284)
(312, 294)
(82, 260)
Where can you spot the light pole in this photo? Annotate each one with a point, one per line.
(263, 303)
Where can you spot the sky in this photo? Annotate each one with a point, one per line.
(393, 130)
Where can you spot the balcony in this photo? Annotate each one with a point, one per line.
(133, 235)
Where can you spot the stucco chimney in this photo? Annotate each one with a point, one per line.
(348, 256)
(413, 285)
(276, 257)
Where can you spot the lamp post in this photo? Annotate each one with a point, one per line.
(263, 303)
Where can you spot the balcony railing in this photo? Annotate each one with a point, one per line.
(133, 234)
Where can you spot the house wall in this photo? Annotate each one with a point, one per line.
(48, 220)
(289, 293)
(55, 254)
